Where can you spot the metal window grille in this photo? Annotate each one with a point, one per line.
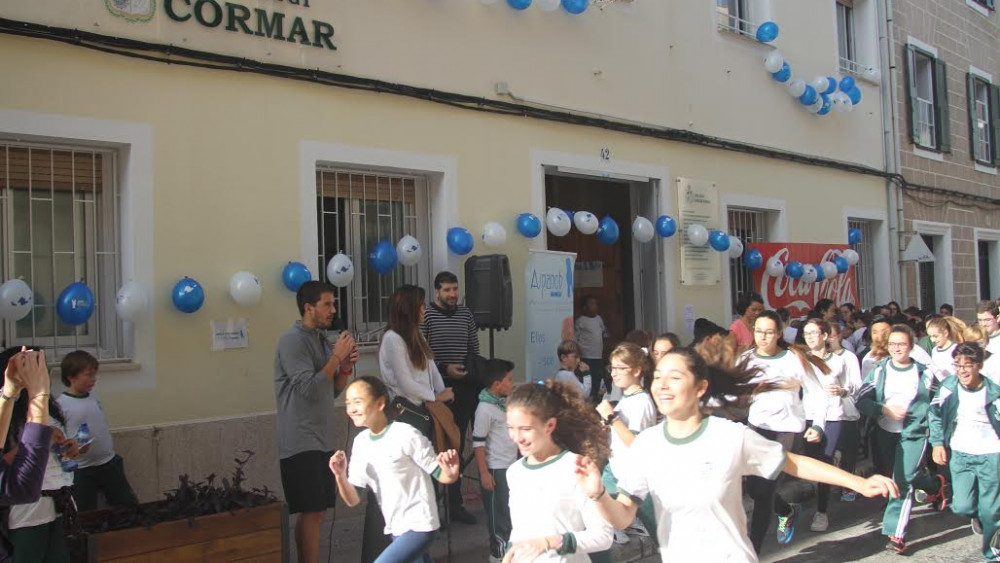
(59, 224)
(356, 210)
(865, 268)
(845, 38)
(925, 130)
(750, 226)
(735, 16)
(983, 143)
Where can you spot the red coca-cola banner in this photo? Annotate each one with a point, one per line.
(796, 295)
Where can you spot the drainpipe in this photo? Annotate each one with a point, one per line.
(890, 137)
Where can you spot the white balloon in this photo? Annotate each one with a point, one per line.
(809, 274)
(773, 61)
(586, 222)
(16, 299)
(642, 230)
(340, 270)
(557, 221)
(549, 5)
(796, 87)
(494, 234)
(873, 74)
(409, 251)
(829, 270)
(775, 268)
(851, 256)
(245, 289)
(735, 247)
(697, 234)
(820, 84)
(842, 103)
(131, 301)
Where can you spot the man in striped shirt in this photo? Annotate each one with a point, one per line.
(451, 331)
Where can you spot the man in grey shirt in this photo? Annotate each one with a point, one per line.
(309, 373)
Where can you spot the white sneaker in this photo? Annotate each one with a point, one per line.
(620, 537)
(820, 523)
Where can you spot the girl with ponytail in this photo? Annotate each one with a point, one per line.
(692, 465)
(946, 333)
(552, 518)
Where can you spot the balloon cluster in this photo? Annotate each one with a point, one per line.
(719, 241)
(559, 222)
(574, 7)
(822, 94)
(809, 273)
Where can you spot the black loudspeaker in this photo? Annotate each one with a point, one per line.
(488, 291)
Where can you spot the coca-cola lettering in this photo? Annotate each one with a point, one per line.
(796, 295)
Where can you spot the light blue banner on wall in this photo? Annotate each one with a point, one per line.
(548, 295)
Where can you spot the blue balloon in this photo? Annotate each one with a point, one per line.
(383, 257)
(827, 105)
(820, 276)
(519, 4)
(767, 32)
(188, 295)
(854, 236)
(607, 233)
(666, 226)
(808, 97)
(460, 240)
(294, 275)
(855, 95)
(842, 264)
(846, 83)
(831, 86)
(719, 241)
(794, 270)
(753, 259)
(75, 304)
(575, 6)
(784, 74)
(529, 225)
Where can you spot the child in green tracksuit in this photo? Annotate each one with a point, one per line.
(964, 419)
(897, 392)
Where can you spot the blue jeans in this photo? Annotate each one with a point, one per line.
(411, 547)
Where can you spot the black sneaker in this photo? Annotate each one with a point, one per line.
(460, 514)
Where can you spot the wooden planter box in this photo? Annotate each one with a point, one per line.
(248, 536)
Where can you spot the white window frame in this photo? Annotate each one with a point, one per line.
(750, 14)
(440, 172)
(882, 271)
(134, 145)
(776, 228)
(991, 236)
(983, 164)
(863, 56)
(943, 265)
(980, 7)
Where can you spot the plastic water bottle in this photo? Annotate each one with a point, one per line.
(83, 436)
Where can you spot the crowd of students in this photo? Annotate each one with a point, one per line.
(668, 439)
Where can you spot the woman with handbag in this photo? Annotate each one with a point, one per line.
(406, 361)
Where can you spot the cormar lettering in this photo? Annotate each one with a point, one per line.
(257, 22)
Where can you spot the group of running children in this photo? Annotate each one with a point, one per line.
(693, 428)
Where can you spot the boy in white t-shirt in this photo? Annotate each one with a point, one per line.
(100, 469)
(495, 452)
(590, 332)
(571, 369)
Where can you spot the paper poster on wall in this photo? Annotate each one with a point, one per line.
(689, 318)
(698, 202)
(589, 274)
(796, 295)
(230, 334)
(548, 294)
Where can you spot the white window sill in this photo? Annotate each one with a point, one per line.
(746, 36)
(928, 154)
(986, 169)
(857, 70)
(978, 7)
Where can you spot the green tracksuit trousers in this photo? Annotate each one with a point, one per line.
(975, 485)
(909, 475)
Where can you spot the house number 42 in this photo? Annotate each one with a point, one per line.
(605, 153)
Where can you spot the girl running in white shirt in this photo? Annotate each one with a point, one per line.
(553, 520)
(839, 388)
(945, 333)
(991, 363)
(691, 465)
(850, 436)
(397, 462)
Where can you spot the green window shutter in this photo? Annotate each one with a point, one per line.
(911, 91)
(995, 123)
(970, 92)
(941, 106)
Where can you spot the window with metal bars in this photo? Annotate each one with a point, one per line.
(59, 223)
(735, 16)
(845, 36)
(865, 268)
(750, 226)
(356, 210)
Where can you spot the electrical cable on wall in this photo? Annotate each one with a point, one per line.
(171, 54)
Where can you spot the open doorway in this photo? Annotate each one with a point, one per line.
(622, 276)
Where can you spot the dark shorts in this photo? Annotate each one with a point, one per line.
(307, 481)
